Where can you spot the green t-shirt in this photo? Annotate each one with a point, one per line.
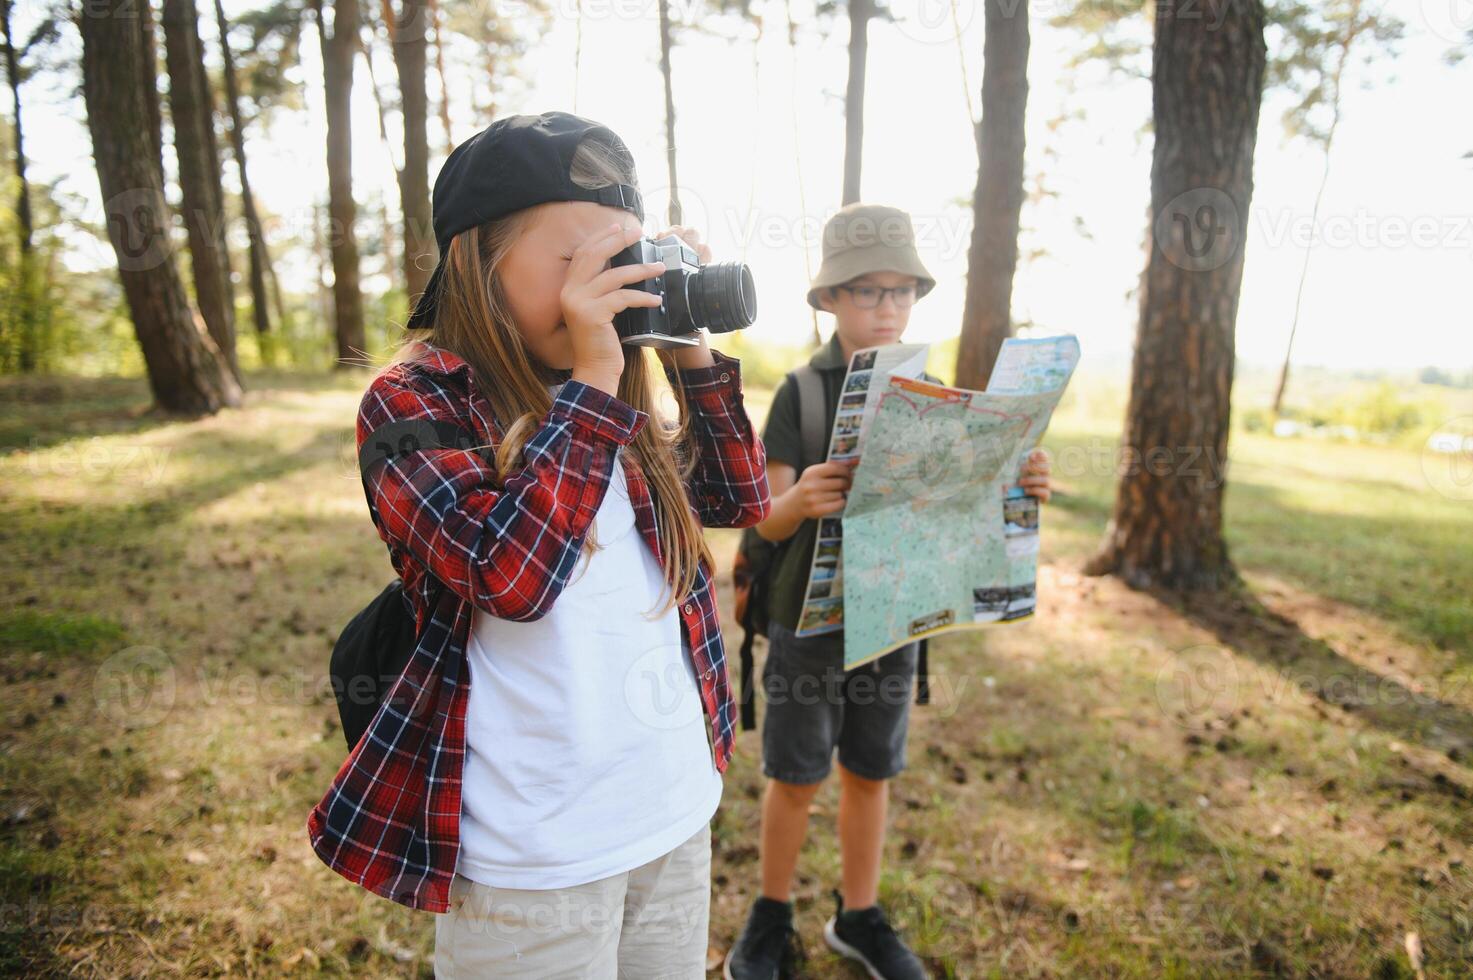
(782, 436)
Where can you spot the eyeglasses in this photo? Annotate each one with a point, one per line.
(870, 297)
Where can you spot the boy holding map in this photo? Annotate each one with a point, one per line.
(870, 277)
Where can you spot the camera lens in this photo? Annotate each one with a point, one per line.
(721, 297)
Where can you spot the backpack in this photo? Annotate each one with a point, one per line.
(756, 557)
(373, 649)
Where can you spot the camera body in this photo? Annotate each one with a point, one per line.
(718, 297)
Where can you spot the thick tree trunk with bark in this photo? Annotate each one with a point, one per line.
(860, 12)
(997, 200)
(339, 47)
(1208, 84)
(185, 369)
(260, 259)
(192, 109)
(411, 46)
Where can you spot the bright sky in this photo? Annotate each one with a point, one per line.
(1390, 284)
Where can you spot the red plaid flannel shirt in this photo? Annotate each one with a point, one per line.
(390, 821)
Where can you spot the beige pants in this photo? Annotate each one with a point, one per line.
(646, 924)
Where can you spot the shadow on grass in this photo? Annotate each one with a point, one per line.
(1409, 567)
(231, 463)
(1124, 793)
(48, 410)
(1243, 624)
(41, 412)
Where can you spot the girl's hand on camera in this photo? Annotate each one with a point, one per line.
(692, 238)
(823, 488)
(698, 356)
(1034, 477)
(592, 293)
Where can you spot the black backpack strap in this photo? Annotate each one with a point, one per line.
(923, 677)
(812, 417)
(399, 438)
(812, 427)
(748, 702)
(404, 436)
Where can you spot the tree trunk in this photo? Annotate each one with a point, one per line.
(185, 369)
(997, 200)
(338, 50)
(434, 7)
(143, 21)
(1207, 84)
(674, 212)
(860, 12)
(193, 111)
(32, 313)
(260, 259)
(410, 49)
(319, 249)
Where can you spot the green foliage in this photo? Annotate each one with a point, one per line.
(1380, 412)
(763, 364)
(1313, 47)
(34, 632)
(268, 56)
(57, 313)
(1444, 378)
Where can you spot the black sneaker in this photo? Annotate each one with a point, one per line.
(866, 935)
(767, 948)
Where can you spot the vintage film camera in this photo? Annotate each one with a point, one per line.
(718, 297)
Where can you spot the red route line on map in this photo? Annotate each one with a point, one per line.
(938, 391)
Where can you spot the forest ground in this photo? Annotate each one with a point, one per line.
(1274, 782)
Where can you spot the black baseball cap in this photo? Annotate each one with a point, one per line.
(514, 163)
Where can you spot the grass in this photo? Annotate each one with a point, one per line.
(1129, 785)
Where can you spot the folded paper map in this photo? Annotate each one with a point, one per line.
(936, 535)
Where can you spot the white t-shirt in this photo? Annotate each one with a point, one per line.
(586, 745)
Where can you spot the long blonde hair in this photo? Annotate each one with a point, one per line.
(474, 321)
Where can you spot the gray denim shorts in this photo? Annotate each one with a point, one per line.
(813, 706)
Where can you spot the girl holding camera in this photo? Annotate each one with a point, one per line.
(545, 771)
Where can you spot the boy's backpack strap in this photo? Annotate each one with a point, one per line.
(748, 703)
(812, 414)
(923, 674)
(751, 581)
(750, 578)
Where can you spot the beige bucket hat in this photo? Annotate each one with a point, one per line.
(862, 238)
